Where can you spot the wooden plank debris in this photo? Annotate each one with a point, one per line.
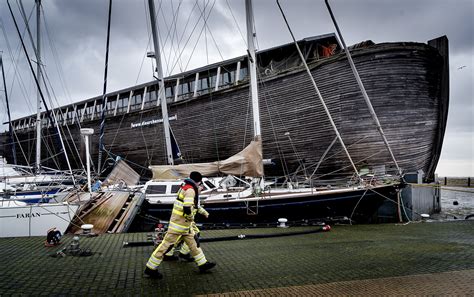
(107, 211)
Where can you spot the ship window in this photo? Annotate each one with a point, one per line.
(150, 97)
(123, 103)
(98, 108)
(184, 88)
(111, 106)
(243, 73)
(169, 92)
(88, 112)
(175, 188)
(224, 79)
(136, 101)
(213, 81)
(204, 83)
(209, 184)
(156, 189)
(79, 112)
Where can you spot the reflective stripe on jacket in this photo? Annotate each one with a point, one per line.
(180, 223)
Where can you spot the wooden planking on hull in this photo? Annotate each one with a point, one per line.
(403, 81)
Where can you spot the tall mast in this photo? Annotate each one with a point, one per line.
(161, 83)
(53, 118)
(104, 92)
(10, 128)
(252, 68)
(38, 95)
(362, 89)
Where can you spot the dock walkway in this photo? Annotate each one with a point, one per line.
(416, 259)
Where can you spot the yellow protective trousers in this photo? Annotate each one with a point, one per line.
(168, 242)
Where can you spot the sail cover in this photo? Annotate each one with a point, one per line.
(248, 162)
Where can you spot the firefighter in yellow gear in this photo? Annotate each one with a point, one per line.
(181, 246)
(180, 227)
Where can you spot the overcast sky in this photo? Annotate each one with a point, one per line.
(74, 38)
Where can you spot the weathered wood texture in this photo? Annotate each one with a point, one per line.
(106, 212)
(405, 82)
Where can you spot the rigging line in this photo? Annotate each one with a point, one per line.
(40, 74)
(175, 35)
(205, 31)
(160, 37)
(58, 110)
(357, 204)
(266, 93)
(340, 151)
(212, 37)
(56, 59)
(282, 124)
(322, 158)
(63, 116)
(317, 91)
(126, 160)
(17, 73)
(210, 89)
(362, 89)
(10, 128)
(187, 41)
(347, 166)
(394, 202)
(180, 52)
(21, 148)
(200, 34)
(48, 148)
(29, 63)
(67, 126)
(170, 31)
(236, 23)
(293, 147)
(173, 31)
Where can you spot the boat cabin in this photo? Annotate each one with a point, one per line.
(165, 191)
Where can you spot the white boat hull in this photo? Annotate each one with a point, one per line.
(35, 220)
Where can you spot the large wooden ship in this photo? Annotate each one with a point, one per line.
(210, 115)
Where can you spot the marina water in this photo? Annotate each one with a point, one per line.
(464, 198)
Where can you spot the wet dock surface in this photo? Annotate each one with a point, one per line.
(415, 259)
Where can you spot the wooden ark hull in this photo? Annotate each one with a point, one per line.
(408, 85)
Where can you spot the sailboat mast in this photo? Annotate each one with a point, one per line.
(104, 93)
(10, 128)
(161, 83)
(362, 89)
(252, 68)
(38, 95)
